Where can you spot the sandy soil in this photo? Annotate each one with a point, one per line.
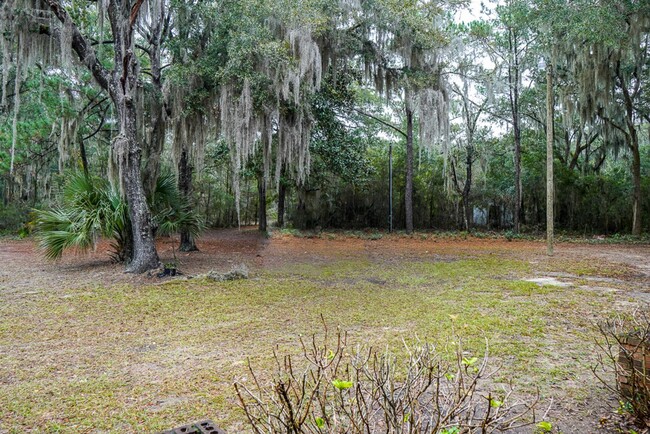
(223, 249)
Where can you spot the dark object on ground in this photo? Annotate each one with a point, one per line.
(205, 426)
(169, 271)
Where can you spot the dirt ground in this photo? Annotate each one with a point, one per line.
(223, 249)
(621, 270)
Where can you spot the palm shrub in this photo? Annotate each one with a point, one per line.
(91, 208)
(172, 212)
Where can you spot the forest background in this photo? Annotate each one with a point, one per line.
(222, 113)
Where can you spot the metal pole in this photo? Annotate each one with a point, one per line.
(390, 187)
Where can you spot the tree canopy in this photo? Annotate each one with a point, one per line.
(296, 107)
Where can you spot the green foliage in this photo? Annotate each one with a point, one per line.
(342, 385)
(171, 211)
(13, 218)
(91, 208)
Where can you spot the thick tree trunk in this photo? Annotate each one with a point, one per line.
(261, 190)
(123, 90)
(144, 255)
(282, 193)
(550, 192)
(408, 194)
(185, 187)
(121, 83)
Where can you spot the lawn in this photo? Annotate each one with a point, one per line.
(145, 354)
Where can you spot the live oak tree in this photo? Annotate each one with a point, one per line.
(609, 63)
(48, 21)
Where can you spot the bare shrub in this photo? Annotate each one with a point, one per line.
(336, 389)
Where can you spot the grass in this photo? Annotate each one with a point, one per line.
(144, 359)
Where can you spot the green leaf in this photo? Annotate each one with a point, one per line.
(545, 426)
(342, 385)
(495, 403)
(470, 362)
(320, 422)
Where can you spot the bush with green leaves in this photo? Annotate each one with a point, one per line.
(91, 208)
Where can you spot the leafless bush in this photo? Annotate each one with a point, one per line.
(625, 350)
(336, 390)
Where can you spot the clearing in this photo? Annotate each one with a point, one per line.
(85, 348)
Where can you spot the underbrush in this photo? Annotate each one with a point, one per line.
(509, 235)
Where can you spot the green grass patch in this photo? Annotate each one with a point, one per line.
(144, 359)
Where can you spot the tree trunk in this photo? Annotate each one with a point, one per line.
(84, 157)
(144, 255)
(153, 149)
(185, 188)
(468, 212)
(121, 84)
(513, 81)
(408, 194)
(261, 190)
(636, 181)
(632, 138)
(282, 193)
(550, 191)
(123, 90)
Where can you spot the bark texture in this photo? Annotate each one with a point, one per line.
(550, 190)
(261, 211)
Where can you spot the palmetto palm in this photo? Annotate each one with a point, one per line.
(91, 208)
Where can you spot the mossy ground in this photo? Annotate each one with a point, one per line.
(147, 357)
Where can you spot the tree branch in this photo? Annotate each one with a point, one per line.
(381, 121)
(81, 45)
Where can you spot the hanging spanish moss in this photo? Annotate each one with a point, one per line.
(18, 18)
(594, 69)
(245, 126)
